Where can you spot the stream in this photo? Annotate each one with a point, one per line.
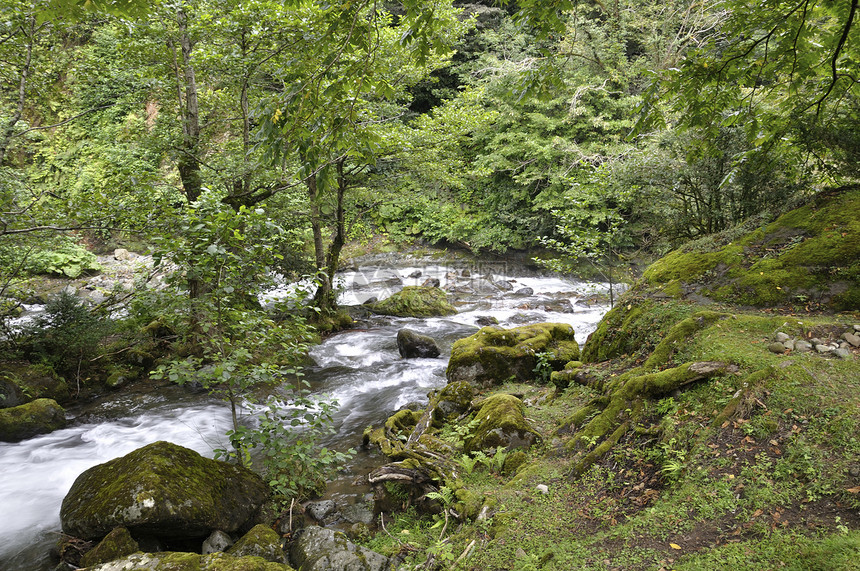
(360, 368)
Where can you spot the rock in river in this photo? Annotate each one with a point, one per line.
(163, 490)
(411, 344)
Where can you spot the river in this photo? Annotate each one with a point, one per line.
(360, 368)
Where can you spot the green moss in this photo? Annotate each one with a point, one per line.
(261, 541)
(40, 416)
(494, 355)
(118, 543)
(809, 254)
(502, 423)
(415, 301)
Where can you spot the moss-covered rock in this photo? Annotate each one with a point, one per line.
(502, 422)
(494, 355)
(807, 255)
(415, 301)
(261, 541)
(411, 344)
(40, 416)
(163, 490)
(452, 401)
(117, 544)
(35, 381)
(180, 561)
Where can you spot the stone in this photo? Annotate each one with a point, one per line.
(321, 509)
(789, 344)
(118, 543)
(857, 328)
(431, 282)
(261, 541)
(486, 320)
(123, 255)
(776, 347)
(359, 512)
(524, 292)
(802, 346)
(175, 561)
(504, 285)
(10, 394)
(411, 344)
(781, 337)
(821, 348)
(415, 301)
(40, 416)
(843, 354)
(36, 381)
(452, 401)
(542, 488)
(415, 275)
(217, 542)
(320, 549)
(502, 423)
(494, 355)
(163, 490)
(851, 338)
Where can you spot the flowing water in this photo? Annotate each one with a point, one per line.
(360, 368)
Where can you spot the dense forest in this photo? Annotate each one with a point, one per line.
(242, 143)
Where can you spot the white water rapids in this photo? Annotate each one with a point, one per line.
(360, 368)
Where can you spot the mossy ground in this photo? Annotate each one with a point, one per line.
(807, 258)
(753, 469)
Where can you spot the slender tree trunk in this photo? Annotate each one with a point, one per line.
(29, 30)
(188, 164)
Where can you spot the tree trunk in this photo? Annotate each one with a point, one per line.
(29, 30)
(188, 164)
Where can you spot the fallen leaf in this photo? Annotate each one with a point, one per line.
(853, 490)
(674, 546)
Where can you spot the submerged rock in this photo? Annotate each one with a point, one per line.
(320, 549)
(163, 490)
(415, 301)
(411, 344)
(494, 355)
(31, 419)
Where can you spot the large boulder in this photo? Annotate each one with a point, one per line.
(163, 490)
(321, 549)
(415, 301)
(494, 355)
(40, 416)
(502, 422)
(411, 344)
(176, 561)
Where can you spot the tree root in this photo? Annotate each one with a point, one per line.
(612, 414)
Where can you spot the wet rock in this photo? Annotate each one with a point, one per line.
(494, 355)
(504, 285)
(483, 287)
(217, 542)
(524, 292)
(319, 549)
(431, 282)
(261, 541)
(486, 320)
(321, 510)
(502, 423)
(411, 344)
(40, 416)
(415, 301)
(118, 543)
(776, 347)
(415, 275)
(162, 490)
